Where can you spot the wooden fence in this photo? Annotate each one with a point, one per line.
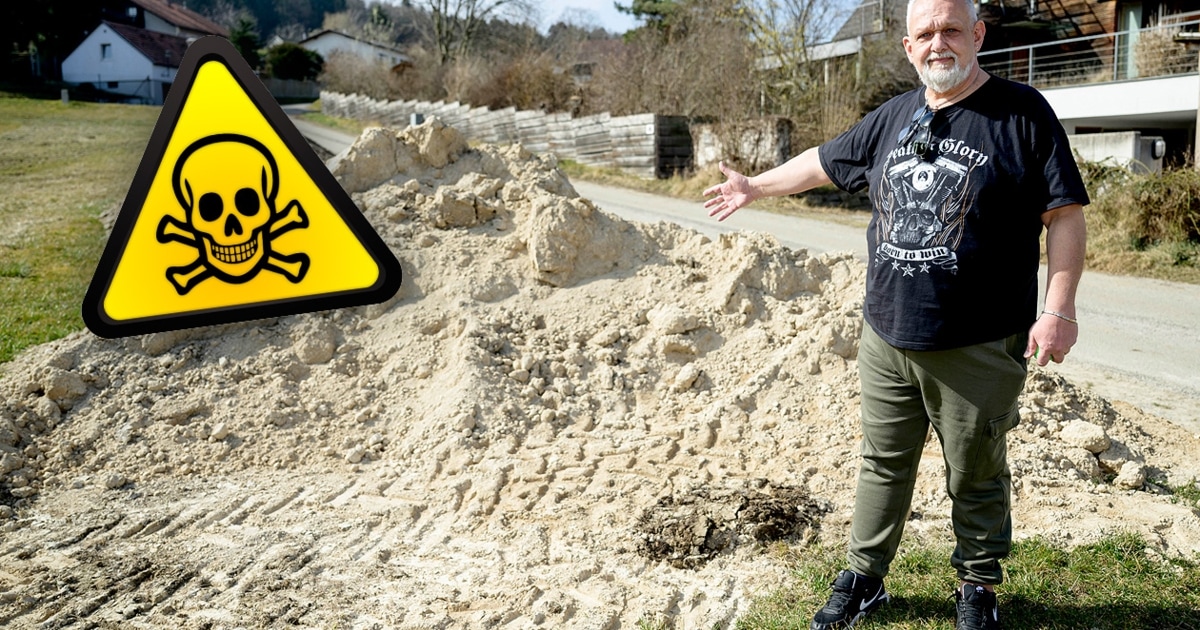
(647, 145)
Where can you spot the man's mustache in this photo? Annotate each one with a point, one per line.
(945, 55)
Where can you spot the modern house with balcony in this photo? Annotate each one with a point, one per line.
(1125, 67)
(1112, 67)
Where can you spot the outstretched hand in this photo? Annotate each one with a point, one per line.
(728, 197)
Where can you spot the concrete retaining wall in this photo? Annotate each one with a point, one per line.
(647, 145)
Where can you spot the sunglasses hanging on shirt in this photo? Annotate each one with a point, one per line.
(919, 133)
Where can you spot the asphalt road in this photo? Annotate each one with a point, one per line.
(1139, 339)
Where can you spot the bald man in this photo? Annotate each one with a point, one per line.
(964, 174)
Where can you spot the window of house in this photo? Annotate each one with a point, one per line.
(106, 51)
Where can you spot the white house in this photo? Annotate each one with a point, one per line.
(327, 42)
(126, 60)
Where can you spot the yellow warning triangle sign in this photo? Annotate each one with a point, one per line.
(231, 216)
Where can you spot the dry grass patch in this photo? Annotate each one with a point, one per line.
(1144, 224)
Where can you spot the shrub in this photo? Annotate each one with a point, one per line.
(703, 65)
(1168, 206)
(531, 81)
(1150, 208)
(1144, 224)
(1158, 54)
(350, 74)
(292, 61)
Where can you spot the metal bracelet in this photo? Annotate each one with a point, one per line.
(1062, 317)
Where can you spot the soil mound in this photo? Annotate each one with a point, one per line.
(553, 394)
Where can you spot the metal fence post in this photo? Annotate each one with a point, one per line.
(1116, 57)
(1196, 142)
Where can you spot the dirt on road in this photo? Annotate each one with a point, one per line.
(563, 420)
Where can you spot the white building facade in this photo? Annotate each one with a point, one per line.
(128, 61)
(327, 42)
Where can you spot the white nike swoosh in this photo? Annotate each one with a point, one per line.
(867, 603)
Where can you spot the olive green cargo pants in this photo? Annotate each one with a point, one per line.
(969, 396)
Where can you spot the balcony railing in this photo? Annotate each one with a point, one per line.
(1162, 50)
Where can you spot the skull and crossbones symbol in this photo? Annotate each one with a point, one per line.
(227, 184)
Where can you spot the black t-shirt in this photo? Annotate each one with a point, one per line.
(954, 237)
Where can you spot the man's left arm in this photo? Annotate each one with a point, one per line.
(1054, 332)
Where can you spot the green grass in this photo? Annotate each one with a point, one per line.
(1187, 494)
(60, 167)
(1117, 583)
(340, 124)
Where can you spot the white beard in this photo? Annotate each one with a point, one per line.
(942, 80)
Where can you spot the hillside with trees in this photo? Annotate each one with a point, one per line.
(723, 60)
(716, 60)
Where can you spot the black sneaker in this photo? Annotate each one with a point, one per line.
(976, 609)
(854, 597)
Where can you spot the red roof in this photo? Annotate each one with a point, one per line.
(160, 48)
(182, 17)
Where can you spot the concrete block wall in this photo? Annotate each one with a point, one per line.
(1129, 149)
(646, 145)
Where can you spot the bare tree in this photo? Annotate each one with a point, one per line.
(701, 64)
(785, 31)
(456, 23)
(348, 21)
(228, 14)
(373, 23)
(350, 74)
(823, 93)
(291, 32)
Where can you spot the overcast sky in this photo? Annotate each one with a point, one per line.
(604, 13)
